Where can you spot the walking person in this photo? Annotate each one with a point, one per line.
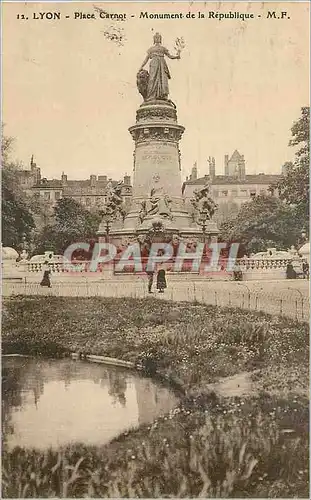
(290, 272)
(237, 273)
(161, 280)
(305, 270)
(150, 280)
(46, 275)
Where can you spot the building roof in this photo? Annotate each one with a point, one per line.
(223, 179)
(48, 184)
(71, 184)
(78, 187)
(235, 156)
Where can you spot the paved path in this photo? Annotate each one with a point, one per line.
(284, 297)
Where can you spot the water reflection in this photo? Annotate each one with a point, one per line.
(55, 402)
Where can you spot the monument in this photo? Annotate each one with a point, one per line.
(158, 212)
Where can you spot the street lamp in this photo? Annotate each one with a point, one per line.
(107, 229)
(203, 223)
(24, 243)
(107, 221)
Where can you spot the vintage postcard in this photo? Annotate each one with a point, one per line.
(155, 249)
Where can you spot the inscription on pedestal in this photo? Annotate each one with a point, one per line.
(161, 159)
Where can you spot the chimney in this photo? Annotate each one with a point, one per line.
(226, 165)
(36, 171)
(38, 175)
(127, 180)
(93, 179)
(102, 178)
(242, 168)
(211, 163)
(194, 172)
(33, 165)
(64, 179)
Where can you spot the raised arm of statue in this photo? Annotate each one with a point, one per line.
(170, 56)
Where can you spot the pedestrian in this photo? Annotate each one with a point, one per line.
(237, 273)
(46, 275)
(161, 280)
(150, 280)
(290, 272)
(305, 270)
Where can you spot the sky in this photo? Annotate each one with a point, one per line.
(69, 93)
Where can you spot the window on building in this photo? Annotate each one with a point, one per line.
(234, 192)
(57, 195)
(243, 192)
(47, 195)
(252, 193)
(225, 192)
(88, 201)
(262, 191)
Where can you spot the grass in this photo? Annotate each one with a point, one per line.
(255, 446)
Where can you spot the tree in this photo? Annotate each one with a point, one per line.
(293, 187)
(17, 220)
(226, 210)
(265, 221)
(73, 223)
(47, 239)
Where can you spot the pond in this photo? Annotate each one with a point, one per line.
(51, 403)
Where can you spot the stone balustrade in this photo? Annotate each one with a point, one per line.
(249, 264)
(55, 267)
(246, 265)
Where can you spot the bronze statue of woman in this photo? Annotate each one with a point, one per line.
(157, 86)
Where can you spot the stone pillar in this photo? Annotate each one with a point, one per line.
(156, 157)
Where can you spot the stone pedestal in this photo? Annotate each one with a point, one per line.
(157, 176)
(10, 271)
(157, 156)
(304, 251)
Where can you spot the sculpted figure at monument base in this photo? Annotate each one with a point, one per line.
(158, 204)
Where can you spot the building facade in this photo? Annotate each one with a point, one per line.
(233, 188)
(91, 193)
